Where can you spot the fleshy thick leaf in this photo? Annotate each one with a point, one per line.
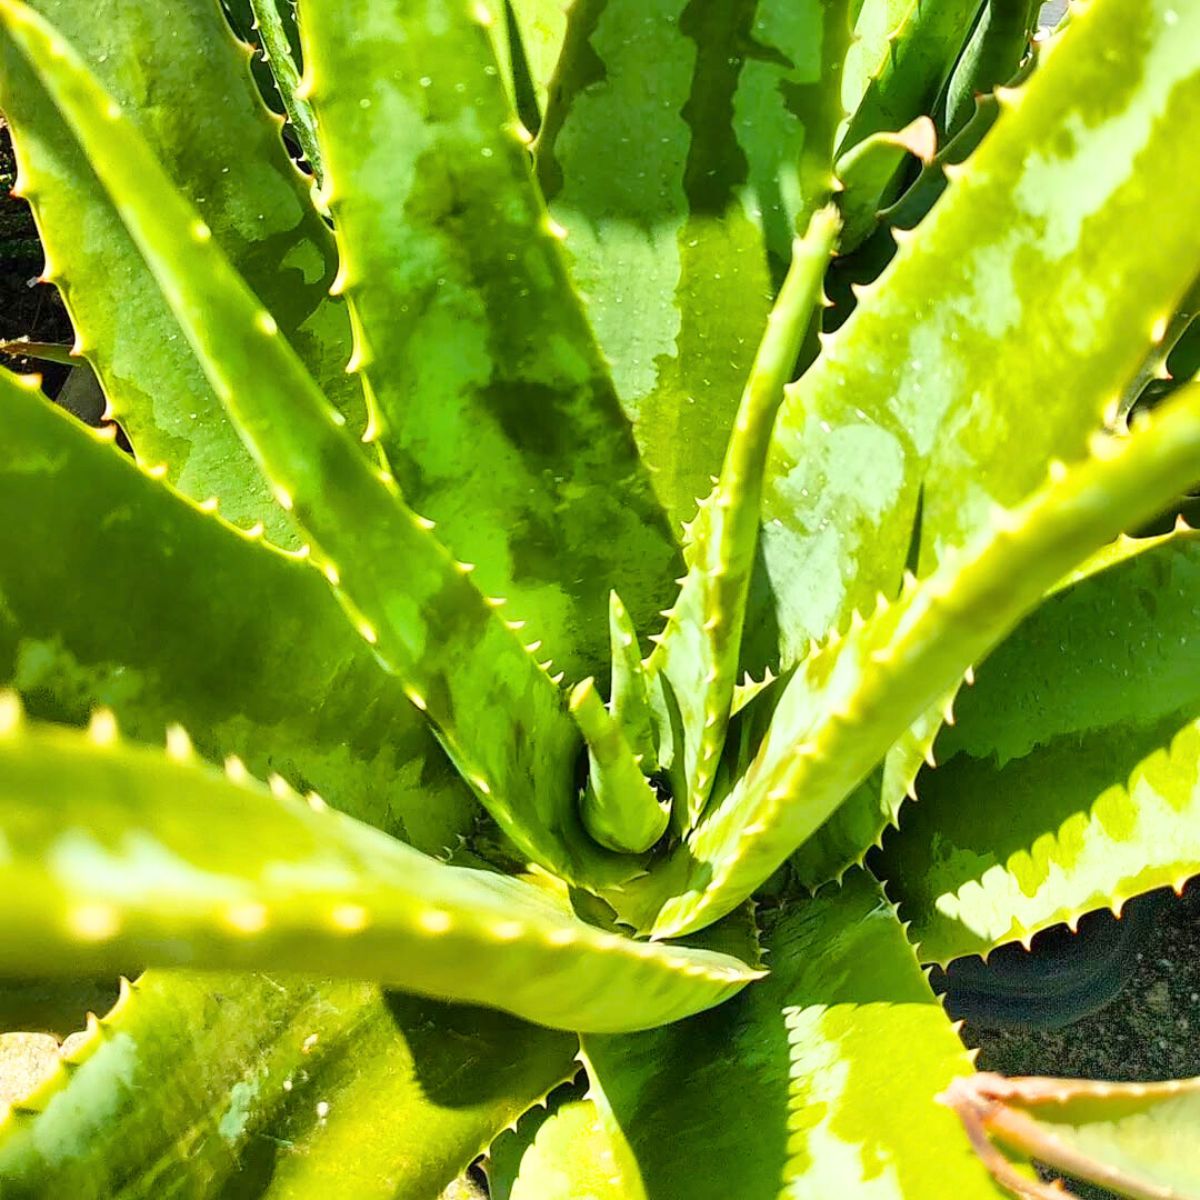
(998, 43)
(274, 28)
(211, 1085)
(918, 55)
(572, 1155)
(944, 390)
(730, 110)
(866, 171)
(541, 26)
(620, 807)
(500, 718)
(779, 1093)
(168, 616)
(496, 409)
(186, 87)
(115, 855)
(696, 655)
(848, 702)
(1072, 779)
(1136, 1139)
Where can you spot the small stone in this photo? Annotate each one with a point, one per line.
(25, 1060)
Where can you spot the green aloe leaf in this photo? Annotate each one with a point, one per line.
(274, 28)
(202, 116)
(696, 655)
(866, 171)
(918, 55)
(620, 807)
(849, 701)
(944, 390)
(1072, 778)
(779, 1093)
(227, 614)
(731, 110)
(540, 27)
(875, 23)
(1135, 1139)
(214, 1085)
(495, 407)
(501, 719)
(117, 854)
(992, 56)
(570, 1154)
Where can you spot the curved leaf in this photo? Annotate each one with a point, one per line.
(779, 1093)
(572, 1155)
(115, 854)
(496, 408)
(223, 1085)
(1136, 1139)
(848, 702)
(998, 43)
(946, 382)
(185, 83)
(696, 655)
(918, 56)
(166, 615)
(1072, 779)
(731, 110)
(500, 718)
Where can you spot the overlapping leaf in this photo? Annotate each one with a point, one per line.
(1135, 1139)
(118, 855)
(947, 383)
(219, 1085)
(187, 88)
(1072, 780)
(728, 114)
(495, 406)
(500, 718)
(165, 615)
(693, 669)
(779, 1093)
(848, 702)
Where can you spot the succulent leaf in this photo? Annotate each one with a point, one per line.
(778, 1093)
(277, 50)
(118, 854)
(1134, 1139)
(269, 1089)
(697, 653)
(497, 713)
(496, 409)
(620, 808)
(1079, 748)
(918, 55)
(848, 702)
(998, 43)
(560, 228)
(866, 170)
(630, 691)
(218, 144)
(572, 1155)
(228, 614)
(731, 110)
(946, 382)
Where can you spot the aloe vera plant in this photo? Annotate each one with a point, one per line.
(528, 601)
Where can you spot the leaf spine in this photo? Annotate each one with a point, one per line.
(247, 917)
(102, 728)
(179, 745)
